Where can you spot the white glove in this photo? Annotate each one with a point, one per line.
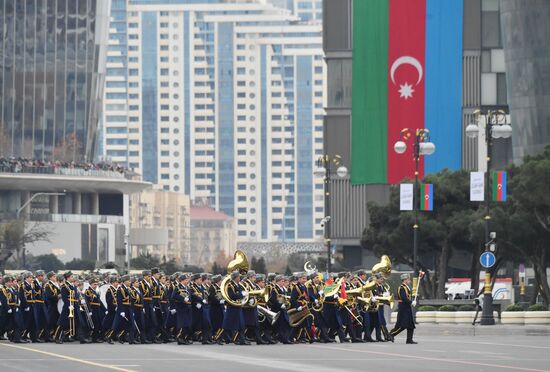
(186, 299)
(336, 296)
(316, 302)
(222, 302)
(251, 302)
(283, 306)
(71, 307)
(373, 299)
(9, 311)
(204, 302)
(414, 303)
(244, 293)
(17, 310)
(123, 314)
(198, 306)
(83, 301)
(106, 312)
(321, 292)
(173, 311)
(143, 311)
(90, 313)
(27, 309)
(386, 294)
(299, 308)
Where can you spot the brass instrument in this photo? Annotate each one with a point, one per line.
(240, 263)
(320, 302)
(295, 317)
(383, 267)
(266, 314)
(257, 294)
(72, 325)
(284, 300)
(84, 304)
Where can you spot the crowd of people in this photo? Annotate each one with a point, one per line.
(240, 308)
(25, 165)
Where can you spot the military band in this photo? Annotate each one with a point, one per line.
(241, 307)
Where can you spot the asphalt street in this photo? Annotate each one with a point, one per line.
(440, 348)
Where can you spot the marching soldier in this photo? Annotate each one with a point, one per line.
(276, 303)
(217, 307)
(158, 321)
(39, 307)
(66, 324)
(3, 309)
(404, 310)
(316, 296)
(298, 302)
(137, 313)
(9, 297)
(146, 288)
(331, 314)
(91, 296)
(233, 322)
(27, 303)
(206, 320)
(266, 330)
(164, 304)
(121, 323)
(250, 310)
(170, 325)
(110, 313)
(182, 308)
(52, 294)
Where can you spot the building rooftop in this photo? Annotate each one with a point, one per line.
(205, 213)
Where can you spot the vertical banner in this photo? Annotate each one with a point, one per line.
(406, 197)
(426, 197)
(477, 186)
(499, 186)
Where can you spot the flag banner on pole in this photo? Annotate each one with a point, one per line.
(407, 72)
(406, 197)
(426, 197)
(477, 186)
(499, 186)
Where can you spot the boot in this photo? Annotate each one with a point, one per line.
(410, 333)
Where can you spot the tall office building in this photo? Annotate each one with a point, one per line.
(222, 100)
(52, 65)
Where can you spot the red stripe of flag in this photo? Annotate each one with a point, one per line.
(499, 190)
(426, 197)
(406, 54)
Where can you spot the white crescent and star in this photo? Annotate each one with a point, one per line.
(406, 90)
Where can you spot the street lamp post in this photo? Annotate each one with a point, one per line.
(18, 214)
(495, 127)
(421, 146)
(325, 169)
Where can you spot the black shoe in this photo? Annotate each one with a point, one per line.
(357, 340)
(412, 342)
(110, 341)
(157, 341)
(208, 342)
(58, 341)
(220, 342)
(146, 342)
(345, 339)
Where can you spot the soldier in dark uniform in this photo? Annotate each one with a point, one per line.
(52, 294)
(39, 307)
(146, 288)
(110, 313)
(299, 300)
(26, 315)
(3, 309)
(404, 310)
(197, 300)
(121, 323)
(170, 324)
(233, 322)
(158, 323)
(266, 329)
(316, 295)
(374, 319)
(182, 307)
(217, 306)
(331, 314)
(250, 310)
(137, 313)
(206, 320)
(66, 324)
(10, 296)
(91, 296)
(277, 304)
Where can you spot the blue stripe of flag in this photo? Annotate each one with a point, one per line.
(504, 186)
(443, 84)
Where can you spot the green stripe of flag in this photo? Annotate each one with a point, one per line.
(370, 92)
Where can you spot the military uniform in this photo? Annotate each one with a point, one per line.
(405, 318)
(146, 288)
(299, 302)
(110, 313)
(182, 306)
(217, 309)
(26, 315)
(39, 311)
(94, 305)
(282, 325)
(66, 324)
(233, 322)
(52, 293)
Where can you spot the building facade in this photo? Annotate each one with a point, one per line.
(222, 100)
(159, 225)
(213, 236)
(52, 61)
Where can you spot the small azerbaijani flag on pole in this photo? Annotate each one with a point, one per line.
(499, 186)
(426, 197)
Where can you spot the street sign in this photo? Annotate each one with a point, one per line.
(487, 259)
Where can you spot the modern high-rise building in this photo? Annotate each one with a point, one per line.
(52, 69)
(222, 100)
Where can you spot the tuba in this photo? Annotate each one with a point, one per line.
(239, 263)
(383, 267)
(295, 317)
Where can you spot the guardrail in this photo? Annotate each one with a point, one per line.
(81, 172)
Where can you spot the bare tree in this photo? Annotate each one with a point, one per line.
(15, 235)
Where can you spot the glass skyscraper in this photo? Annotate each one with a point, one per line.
(223, 100)
(51, 77)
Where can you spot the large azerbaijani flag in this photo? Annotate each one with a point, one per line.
(407, 73)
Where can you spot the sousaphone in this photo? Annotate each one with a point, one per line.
(240, 264)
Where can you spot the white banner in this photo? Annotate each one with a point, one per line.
(406, 197)
(477, 186)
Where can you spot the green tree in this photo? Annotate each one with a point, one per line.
(169, 267)
(47, 262)
(144, 262)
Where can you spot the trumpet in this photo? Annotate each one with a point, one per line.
(72, 326)
(258, 294)
(284, 300)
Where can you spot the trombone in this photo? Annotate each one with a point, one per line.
(86, 308)
(72, 326)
